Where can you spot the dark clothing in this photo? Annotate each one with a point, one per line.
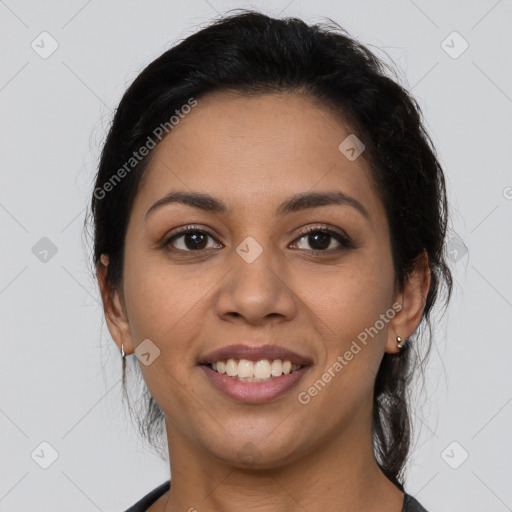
(410, 504)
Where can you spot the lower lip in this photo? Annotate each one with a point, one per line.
(253, 392)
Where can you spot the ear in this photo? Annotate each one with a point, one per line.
(412, 299)
(115, 313)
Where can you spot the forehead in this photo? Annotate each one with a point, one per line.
(246, 149)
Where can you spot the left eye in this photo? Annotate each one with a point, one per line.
(321, 239)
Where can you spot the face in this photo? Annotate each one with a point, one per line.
(248, 273)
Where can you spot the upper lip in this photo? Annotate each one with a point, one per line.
(254, 353)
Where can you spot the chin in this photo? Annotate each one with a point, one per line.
(254, 452)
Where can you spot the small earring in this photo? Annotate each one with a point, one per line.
(122, 350)
(398, 340)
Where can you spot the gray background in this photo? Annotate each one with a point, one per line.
(60, 372)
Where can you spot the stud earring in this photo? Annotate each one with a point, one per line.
(400, 345)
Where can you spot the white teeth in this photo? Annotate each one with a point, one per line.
(245, 368)
(231, 367)
(277, 367)
(251, 371)
(262, 369)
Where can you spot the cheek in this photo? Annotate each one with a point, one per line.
(168, 308)
(350, 299)
(348, 317)
(350, 310)
(160, 298)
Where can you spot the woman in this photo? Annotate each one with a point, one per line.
(269, 222)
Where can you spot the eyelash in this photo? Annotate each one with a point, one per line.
(344, 240)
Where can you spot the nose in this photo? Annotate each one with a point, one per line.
(256, 292)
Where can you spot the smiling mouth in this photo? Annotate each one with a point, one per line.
(263, 370)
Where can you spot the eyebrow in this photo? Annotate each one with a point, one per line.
(294, 204)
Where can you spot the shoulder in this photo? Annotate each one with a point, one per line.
(145, 502)
(412, 505)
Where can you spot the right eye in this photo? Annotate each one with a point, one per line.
(191, 239)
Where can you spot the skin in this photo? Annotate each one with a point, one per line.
(253, 153)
